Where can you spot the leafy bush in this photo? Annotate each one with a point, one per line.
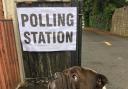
(98, 13)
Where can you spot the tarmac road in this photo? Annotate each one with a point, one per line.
(107, 54)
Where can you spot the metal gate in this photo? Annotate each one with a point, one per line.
(44, 64)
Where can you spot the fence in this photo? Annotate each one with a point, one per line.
(1, 10)
(9, 70)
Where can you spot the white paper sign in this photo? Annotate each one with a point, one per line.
(48, 28)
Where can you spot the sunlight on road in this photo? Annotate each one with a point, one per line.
(108, 43)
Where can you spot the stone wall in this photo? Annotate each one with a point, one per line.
(120, 21)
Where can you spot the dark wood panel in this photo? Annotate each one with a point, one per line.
(45, 64)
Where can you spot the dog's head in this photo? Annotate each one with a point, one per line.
(78, 78)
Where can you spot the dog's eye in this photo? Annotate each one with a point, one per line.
(75, 77)
(104, 87)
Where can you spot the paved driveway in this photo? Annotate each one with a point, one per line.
(108, 55)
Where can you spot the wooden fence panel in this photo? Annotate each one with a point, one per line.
(1, 10)
(9, 68)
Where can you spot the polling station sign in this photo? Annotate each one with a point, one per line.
(47, 28)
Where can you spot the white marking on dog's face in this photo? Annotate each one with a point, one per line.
(104, 87)
(53, 85)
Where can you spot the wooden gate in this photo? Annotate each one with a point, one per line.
(9, 68)
(44, 64)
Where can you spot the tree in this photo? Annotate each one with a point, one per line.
(87, 11)
(101, 9)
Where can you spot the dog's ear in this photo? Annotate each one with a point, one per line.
(58, 75)
(101, 80)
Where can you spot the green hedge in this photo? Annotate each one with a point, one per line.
(100, 21)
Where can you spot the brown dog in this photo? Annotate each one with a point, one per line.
(78, 78)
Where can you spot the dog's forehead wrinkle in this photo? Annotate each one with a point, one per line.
(86, 68)
(75, 68)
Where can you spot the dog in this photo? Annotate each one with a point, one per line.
(78, 78)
